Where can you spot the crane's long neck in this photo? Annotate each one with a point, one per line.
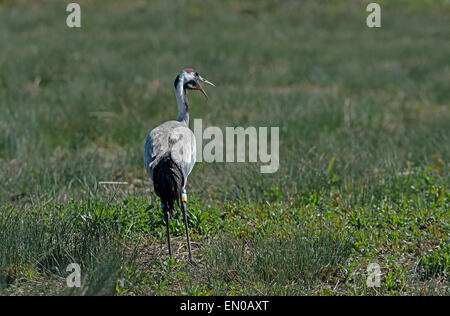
(183, 106)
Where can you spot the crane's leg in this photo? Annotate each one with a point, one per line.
(166, 219)
(183, 209)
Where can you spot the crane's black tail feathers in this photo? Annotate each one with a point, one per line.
(168, 182)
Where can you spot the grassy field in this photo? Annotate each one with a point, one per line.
(364, 147)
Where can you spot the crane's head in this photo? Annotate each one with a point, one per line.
(191, 81)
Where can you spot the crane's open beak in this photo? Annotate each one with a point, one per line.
(199, 87)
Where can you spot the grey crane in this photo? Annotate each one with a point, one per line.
(169, 153)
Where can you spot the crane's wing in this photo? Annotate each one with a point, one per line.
(148, 155)
(182, 149)
(171, 137)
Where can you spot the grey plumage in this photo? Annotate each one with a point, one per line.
(174, 138)
(169, 153)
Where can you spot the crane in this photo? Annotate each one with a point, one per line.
(170, 152)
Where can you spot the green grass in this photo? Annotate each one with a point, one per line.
(364, 147)
(265, 265)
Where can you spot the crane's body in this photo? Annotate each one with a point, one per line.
(174, 138)
(170, 151)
